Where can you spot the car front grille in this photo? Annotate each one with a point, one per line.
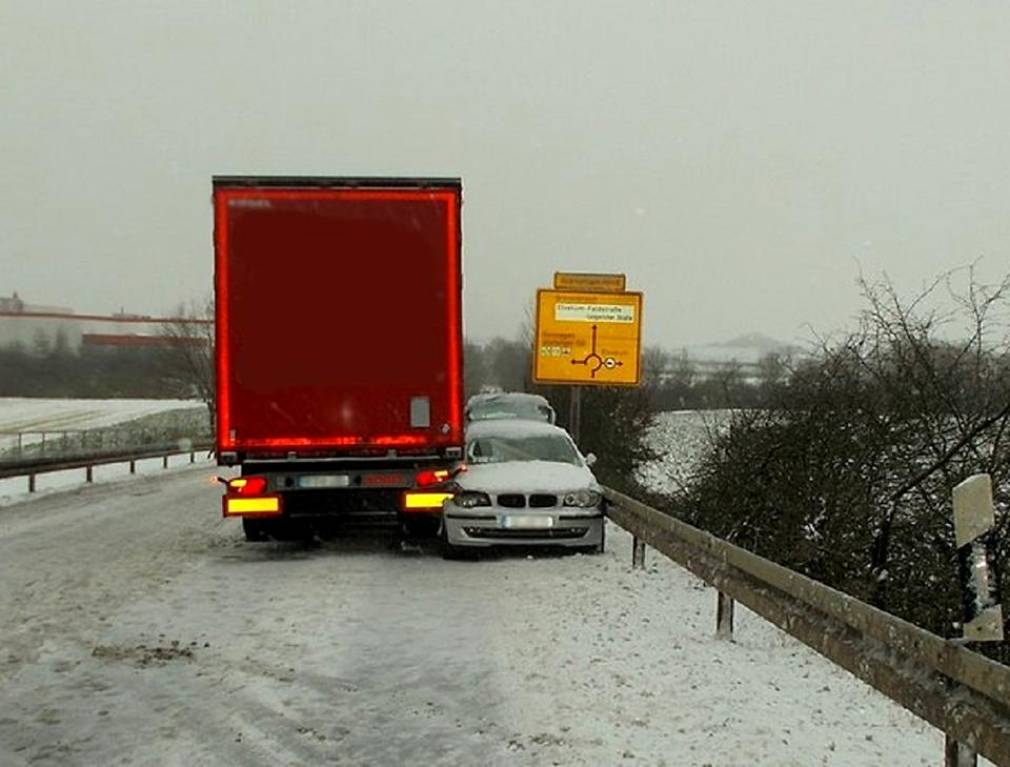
(520, 501)
(543, 501)
(560, 533)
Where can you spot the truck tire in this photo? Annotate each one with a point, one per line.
(253, 529)
(421, 526)
(286, 530)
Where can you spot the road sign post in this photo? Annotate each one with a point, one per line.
(575, 412)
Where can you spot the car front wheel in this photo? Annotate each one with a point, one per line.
(448, 550)
(600, 547)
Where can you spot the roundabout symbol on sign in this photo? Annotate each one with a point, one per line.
(595, 361)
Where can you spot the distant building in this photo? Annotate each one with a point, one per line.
(12, 304)
(33, 326)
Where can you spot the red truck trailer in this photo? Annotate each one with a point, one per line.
(338, 349)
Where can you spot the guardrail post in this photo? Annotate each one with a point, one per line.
(958, 755)
(637, 554)
(89, 473)
(724, 616)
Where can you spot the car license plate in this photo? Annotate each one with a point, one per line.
(528, 521)
(324, 480)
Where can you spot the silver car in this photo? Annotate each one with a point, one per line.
(525, 484)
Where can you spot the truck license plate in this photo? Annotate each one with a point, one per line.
(324, 480)
(529, 521)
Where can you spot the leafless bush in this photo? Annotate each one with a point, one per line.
(847, 474)
(188, 356)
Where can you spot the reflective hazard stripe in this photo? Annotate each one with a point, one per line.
(252, 505)
(424, 500)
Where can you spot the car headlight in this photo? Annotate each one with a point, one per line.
(586, 499)
(469, 499)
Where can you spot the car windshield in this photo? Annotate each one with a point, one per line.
(540, 447)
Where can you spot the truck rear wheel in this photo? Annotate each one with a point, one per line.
(420, 525)
(253, 529)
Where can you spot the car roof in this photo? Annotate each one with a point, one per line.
(506, 396)
(512, 427)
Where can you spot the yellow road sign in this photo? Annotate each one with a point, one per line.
(588, 338)
(585, 282)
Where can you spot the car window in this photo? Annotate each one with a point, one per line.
(547, 447)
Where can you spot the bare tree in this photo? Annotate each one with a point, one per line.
(655, 362)
(189, 351)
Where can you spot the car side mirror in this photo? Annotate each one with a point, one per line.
(590, 459)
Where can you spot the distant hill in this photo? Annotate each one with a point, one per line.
(747, 348)
(758, 341)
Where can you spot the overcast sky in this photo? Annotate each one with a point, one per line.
(741, 162)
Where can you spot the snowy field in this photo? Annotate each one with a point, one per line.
(681, 438)
(140, 629)
(25, 414)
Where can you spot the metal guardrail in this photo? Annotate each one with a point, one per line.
(34, 444)
(32, 468)
(960, 692)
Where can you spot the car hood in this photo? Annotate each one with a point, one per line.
(527, 477)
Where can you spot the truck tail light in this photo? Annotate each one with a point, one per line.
(246, 486)
(246, 498)
(416, 501)
(430, 477)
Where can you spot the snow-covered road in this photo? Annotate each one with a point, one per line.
(137, 628)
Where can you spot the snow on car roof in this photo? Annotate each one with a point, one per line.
(507, 396)
(512, 427)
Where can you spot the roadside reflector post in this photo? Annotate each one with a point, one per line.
(164, 461)
(89, 473)
(724, 616)
(192, 457)
(133, 467)
(637, 554)
(31, 483)
(958, 755)
(978, 567)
